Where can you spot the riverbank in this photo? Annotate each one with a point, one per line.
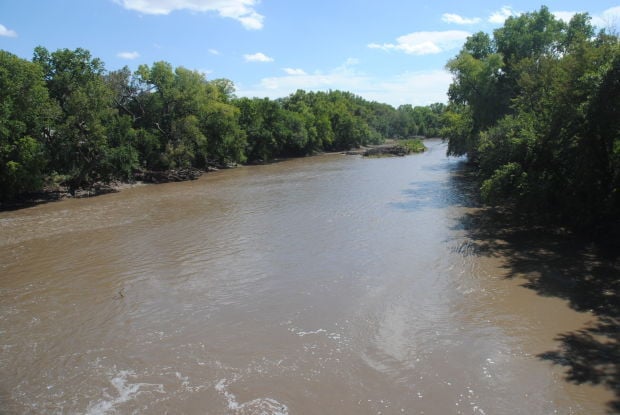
(62, 191)
(390, 148)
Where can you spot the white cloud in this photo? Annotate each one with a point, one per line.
(293, 71)
(254, 21)
(240, 10)
(214, 52)
(564, 16)
(609, 19)
(500, 16)
(456, 19)
(6, 32)
(425, 43)
(416, 88)
(257, 57)
(128, 55)
(342, 77)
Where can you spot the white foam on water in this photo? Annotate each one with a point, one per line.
(305, 333)
(125, 392)
(258, 406)
(331, 335)
(469, 397)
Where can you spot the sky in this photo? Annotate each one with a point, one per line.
(390, 51)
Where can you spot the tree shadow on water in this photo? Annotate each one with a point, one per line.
(451, 186)
(556, 263)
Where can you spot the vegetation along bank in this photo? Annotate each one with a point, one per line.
(67, 122)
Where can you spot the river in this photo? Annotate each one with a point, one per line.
(328, 284)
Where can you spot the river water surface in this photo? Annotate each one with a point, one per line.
(330, 284)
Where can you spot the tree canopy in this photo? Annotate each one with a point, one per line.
(536, 107)
(65, 118)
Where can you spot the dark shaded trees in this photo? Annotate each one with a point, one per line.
(536, 110)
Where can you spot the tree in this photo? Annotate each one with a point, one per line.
(262, 121)
(79, 144)
(27, 115)
(227, 141)
(187, 120)
(404, 124)
(478, 84)
(536, 110)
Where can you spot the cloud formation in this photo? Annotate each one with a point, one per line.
(609, 19)
(214, 52)
(500, 16)
(564, 16)
(128, 55)
(342, 77)
(257, 57)
(240, 10)
(456, 19)
(416, 88)
(6, 32)
(425, 43)
(293, 71)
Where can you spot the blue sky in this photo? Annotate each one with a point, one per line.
(391, 51)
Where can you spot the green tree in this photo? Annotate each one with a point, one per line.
(79, 144)
(550, 145)
(186, 119)
(263, 122)
(227, 141)
(405, 125)
(27, 116)
(477, 84)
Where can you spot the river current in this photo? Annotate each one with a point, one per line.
(329, 284)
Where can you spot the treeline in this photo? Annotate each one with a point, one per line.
(64, 119)
(536, 107)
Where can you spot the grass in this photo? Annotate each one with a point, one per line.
(412, 145)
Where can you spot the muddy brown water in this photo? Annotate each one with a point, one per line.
(331, 284)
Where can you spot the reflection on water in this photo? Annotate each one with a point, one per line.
(328, 284)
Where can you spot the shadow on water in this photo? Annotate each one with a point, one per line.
(553, 263)
(452, 189)
(556, 263)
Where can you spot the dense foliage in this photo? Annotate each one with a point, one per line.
(536, 108)
(65, 119)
